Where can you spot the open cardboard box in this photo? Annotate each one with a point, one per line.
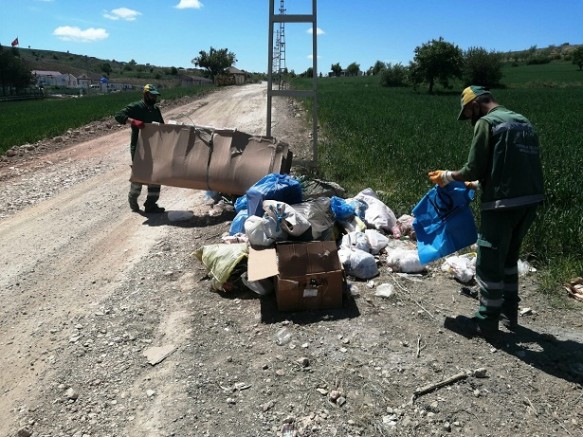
(308, 275)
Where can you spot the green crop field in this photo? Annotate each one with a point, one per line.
(389, 138)
(29, 121)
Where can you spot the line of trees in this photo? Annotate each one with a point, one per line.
(440, 62)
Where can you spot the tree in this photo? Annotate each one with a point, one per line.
(482, 67)
(378, 67)
(336, 69)
(353, 69)
(106, 68)
(437, 60)
(13, 71)
(577, 57)
(215, 61)
(394, 75)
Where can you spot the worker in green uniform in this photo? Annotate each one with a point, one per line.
(504, 158)
(138, 113)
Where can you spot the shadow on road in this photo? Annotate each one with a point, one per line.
(559, 358)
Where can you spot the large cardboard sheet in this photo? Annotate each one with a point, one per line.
(223, 160)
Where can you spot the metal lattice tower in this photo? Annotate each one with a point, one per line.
(279, 63)
(276, 63)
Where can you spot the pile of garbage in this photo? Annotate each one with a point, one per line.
(281, 208)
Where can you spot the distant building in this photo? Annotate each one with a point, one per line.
(193, 80)
(55, 78)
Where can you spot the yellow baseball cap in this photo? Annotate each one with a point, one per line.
(468, 95)
(149, 88)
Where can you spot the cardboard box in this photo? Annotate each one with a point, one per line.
(309, 275)
(223, 160)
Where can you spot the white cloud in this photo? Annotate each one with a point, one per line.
(318, 31)
(189, 4)
(122, 14)
(71, 33)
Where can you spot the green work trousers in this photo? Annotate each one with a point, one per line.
(499, 240)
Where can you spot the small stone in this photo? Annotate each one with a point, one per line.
(150, 393)
(480, 373)
(71, 394)
(303, 361)
(477, 393)
(24, 432)
(322, 391)
(447, 426)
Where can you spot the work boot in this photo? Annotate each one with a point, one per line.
(134, 204)
(509, 318)
(153, 208)
(472, 327)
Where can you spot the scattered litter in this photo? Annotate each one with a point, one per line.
(575, 289)
(524, 268)
(156, 355)
(463, 267)
(385, 290)
(526, 311)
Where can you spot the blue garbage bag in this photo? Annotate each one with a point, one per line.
(241, 203)
(274, 186)
(341, 209)
(238, 224)
(444, 222)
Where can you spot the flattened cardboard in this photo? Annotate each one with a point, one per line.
(222, 160)
(261, 264)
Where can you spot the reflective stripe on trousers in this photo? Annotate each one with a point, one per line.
(501, 235)
(152, 196)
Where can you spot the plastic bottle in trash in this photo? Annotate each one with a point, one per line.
(283, 336)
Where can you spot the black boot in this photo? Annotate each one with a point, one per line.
(153, 208)
(509, 318)
(134, 204)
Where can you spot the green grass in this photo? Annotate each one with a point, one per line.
(32, 120)
(389, 138)
(554, 74)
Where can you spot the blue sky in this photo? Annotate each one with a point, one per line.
(172, 32)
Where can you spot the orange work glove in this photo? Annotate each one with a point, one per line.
(138, 123)
(440, 177)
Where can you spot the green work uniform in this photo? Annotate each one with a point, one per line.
(140, 110)
(504, 157)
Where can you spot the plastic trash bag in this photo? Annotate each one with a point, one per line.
(263, 231)
(376, 240)
(273, 186)
(341, 209)
(462, 267)
(355, 240)
(238, 224)
(377, 214)
(318, 213)
(220, 260)
(444, 222)
(358, 263)
(404, 260)
(291, 221)
(262, 287)
(241, 203)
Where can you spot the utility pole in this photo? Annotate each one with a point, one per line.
(277, 52)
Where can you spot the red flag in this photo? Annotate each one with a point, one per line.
(15, 42)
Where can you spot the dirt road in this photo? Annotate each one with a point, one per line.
(91, 291)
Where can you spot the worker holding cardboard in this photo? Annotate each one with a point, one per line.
(504, 158)
(138, 113)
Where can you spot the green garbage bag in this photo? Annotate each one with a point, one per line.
(220, 260)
